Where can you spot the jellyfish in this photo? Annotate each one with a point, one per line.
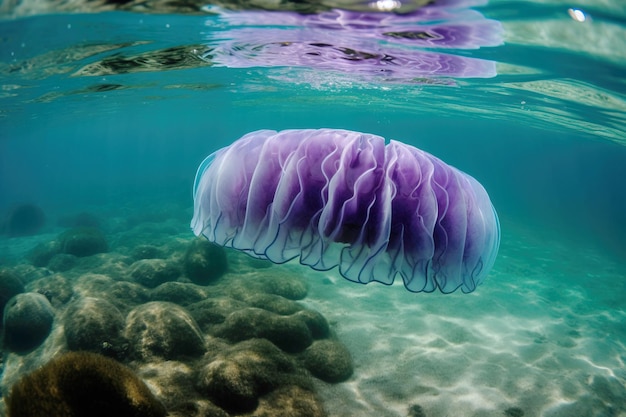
(338, 198)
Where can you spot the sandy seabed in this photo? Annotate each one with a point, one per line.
(545, 336)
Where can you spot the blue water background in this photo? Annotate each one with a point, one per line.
(546, 138)
(65, 147)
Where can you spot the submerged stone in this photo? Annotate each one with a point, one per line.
(10, 285)
(162, 330)
(27, 320)
(328, 360)
(287, 332)
(82, 384)
(95, 325)
(178, 293)
(235, 378)
(83, 241)
(24, 220)
(153, 272)
(205, 262)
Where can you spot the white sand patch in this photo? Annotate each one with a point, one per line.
(535, 337)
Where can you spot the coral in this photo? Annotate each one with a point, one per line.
(82, 384)
(163, 330)
(28, 319)
(205, 262)
(328, 360)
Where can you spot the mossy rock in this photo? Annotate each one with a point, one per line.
(163, 330)
(213, 311)
(81, 384)
(178, 293)
(57, 289)
(274, 281)
(238, 376)
(24, 220)
(41, 254)
(289, 333)
(290, 401)
(204, 262)
(315, 321)
(328, 360)
(274, 303)
(146, 252)
(62, 262)
(153, 272)
(95, 325)
(10, 285)
(28, 319)
(83, 241)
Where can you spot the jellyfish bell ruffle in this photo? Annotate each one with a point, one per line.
(337, 198)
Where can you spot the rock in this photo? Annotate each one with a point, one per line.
(123, 295)
(416, 410)
(213, 311)
(235, 378)
(146, 252)
(328, 360)
(316, 323)
(126, 295)
(83, 241)
(44, 252)
(197, 408)
(178, 293)
(269, 281)
(153, 272)
(24, 220)
(10, 285)
(62, 262)
(274, 303)
(290, 401)
(82, 384)
(28, 319)
(57, 289)
(95, 325)
(163, 330)
(204, 262)
(287, 332)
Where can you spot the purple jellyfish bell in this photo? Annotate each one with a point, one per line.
(340, 198)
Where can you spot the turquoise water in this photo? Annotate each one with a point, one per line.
(110, 113)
